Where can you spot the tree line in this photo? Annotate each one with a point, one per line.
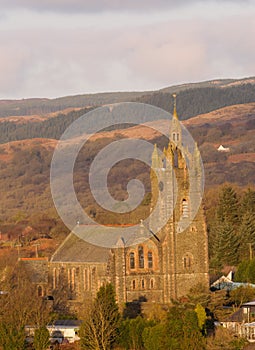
(186, 324)
(232, 228)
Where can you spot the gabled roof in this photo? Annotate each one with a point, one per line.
(235, 317)
(75, 249)
(249, 304)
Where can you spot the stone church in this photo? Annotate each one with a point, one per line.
(154, 267)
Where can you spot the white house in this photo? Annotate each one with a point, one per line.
(60, 331)
(223, 149)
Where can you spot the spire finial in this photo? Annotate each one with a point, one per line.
(175, 111)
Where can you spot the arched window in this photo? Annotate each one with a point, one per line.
(150, 260)
(132, 260)
(185, 208)
(187, 261)
(86, 279)
(133, 284)
(73, 278)
(142, 284)
(174, 136)
(152, 283)
(141, 257)
(177, 137)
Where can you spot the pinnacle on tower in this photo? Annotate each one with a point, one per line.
(175, 115)
(176, 132)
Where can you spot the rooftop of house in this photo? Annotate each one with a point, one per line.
(67, 323)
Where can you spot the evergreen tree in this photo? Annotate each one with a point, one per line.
(228, 244)
(247, 235)
(248, 202)
(251, 271)
(41, 338)
(153, 337)
(227, 211)
(131, 331)
(174, 329)
(192, 337)
(241, 274)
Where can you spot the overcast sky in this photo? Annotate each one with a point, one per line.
(51, 48)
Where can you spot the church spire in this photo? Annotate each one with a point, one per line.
(176, 132)
(175, 115)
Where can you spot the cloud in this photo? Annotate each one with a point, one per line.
(69, 58)
(104, 5)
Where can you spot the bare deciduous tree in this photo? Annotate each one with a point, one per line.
(99, 329)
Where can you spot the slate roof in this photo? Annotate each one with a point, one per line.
(75, 249)
(81, 247)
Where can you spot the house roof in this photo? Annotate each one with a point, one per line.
(75, 249)
(251, 324)
(67, 323)
(249, 304)
(235, 317)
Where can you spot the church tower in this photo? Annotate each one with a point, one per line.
(175, 183)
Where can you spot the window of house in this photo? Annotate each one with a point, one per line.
(132, 260)
(141, 257)
(150, 260)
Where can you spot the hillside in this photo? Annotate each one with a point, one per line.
(209, 95)
(27, 143)
(25, 164)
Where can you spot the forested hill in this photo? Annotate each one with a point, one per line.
(44, 105)
(51, 128)
(209, 95)
(192, 101)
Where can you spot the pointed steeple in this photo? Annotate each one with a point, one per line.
(176, 132)
(175, 115)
